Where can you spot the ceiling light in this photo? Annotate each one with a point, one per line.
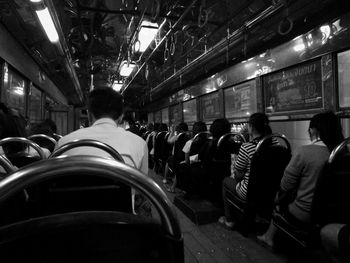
(126, 68)
(117, 86)
(35, 1)
(47, 23)
(147, 33)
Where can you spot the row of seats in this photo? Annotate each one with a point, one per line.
(74, 208)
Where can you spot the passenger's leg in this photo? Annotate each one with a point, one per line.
(228, 185)
(268, 237)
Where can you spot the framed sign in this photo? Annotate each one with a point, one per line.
(240, 100)
(190, 111)
(165, 115)
(295, 89)
(175, 114)
(210, 107)
(150, 117)
(158, 116)
(344, 79)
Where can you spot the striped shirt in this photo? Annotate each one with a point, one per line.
(242, 165)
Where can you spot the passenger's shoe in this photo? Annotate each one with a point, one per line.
(228, 224)
(265, 242)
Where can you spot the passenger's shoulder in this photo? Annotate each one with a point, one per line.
(134, 137)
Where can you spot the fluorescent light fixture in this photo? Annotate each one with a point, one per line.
(47, 23)
(117, 85)
(126, 68)
(147, 33)
(35, 1)
(18, 90)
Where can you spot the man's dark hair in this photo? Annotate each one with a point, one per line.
(105, 102)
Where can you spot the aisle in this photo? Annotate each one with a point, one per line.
(213, 243)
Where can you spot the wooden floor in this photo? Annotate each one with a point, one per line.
(213, 243)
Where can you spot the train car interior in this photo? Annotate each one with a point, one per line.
(233, 126)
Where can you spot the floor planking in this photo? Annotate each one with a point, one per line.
(212, 243)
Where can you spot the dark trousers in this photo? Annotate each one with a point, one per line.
(228, 186)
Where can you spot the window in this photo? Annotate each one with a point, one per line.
(34, 104)
(344, 79)
(14, 90)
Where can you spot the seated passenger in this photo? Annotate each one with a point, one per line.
(237, 183)
(106, 106)
(14, 125)
(303, 170)
(174, 133)
(46, 128)
(203, 178)
(198, 127)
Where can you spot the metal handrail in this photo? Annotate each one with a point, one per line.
(273, 135)
(57, 135)
(25, 141)
(6, 164)
(200, 133)
(223, 137)
(95, 166)
(43, 136)
(88, 143)
(337, 150)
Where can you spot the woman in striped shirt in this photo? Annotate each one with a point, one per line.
(237, 183)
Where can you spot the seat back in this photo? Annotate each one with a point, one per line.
(179, 155)
(230, 143)
(57, 137)
(84, 192)
(92, 236)
(23, 158)
(158, 145)
(331, 201)
(267, 167)
(198, 142)
(44, 141)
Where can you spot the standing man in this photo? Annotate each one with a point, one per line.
(105, 107)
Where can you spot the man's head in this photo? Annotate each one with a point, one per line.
(105, 102)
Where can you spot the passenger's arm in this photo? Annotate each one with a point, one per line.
(172, 138)
(144, 161)
(186, 150)
(241, 164)
(292, 173)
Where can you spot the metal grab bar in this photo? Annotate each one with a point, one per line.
(338, 150)
(25, 141)
(223, 137)
(88, 143)
(95, 166)
(201, 133)
(6, 164)
(273, 135)
(57, 136)
(43, 136)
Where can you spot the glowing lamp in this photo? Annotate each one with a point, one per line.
(117, 86)
(47, 23)
(147, 33)
(126, 68)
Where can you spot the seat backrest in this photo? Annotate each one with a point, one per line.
(166, 147)
(102, 236)
(180, 142)
(158, 144)
(150, 142)
(331, 201)
(267, 167)
(198, 142)
(23, 158)
(230, 143)
(44, 141)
